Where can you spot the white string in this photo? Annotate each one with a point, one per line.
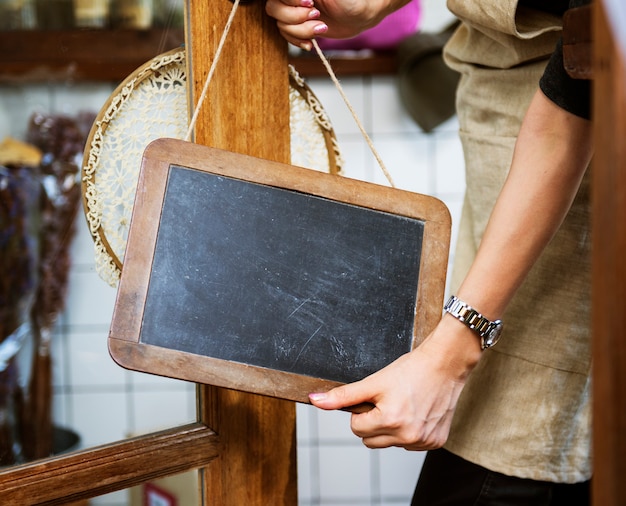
(352, 111)
(216, 58)
(329, 69)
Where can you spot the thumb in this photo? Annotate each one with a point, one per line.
(348, 397)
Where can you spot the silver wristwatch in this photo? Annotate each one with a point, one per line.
(488, 331)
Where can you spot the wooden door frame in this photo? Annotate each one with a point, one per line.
(608, 261)
(246, 111)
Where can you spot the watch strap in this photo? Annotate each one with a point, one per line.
(488, 330)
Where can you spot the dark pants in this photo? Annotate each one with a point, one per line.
(448, 480)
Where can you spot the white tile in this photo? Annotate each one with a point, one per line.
(351, 501)
(157, 410)
(389, 115)
(454, 206)
(90, 362)
(357, 158)
(306, 478)
(394, 501)
(99, 417)
(340, 116)
(407, 159)
(60, 412)
(450, 166)
(399, 470)
(435, 15)
(90, 300)
(306, 424)
(335, 426)
(192, 400)
(344, 474)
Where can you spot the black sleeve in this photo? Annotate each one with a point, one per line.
(573, 95)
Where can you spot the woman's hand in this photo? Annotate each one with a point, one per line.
(299, 21)
(414, 397)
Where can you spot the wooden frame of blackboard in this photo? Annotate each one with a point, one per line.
(125, 343)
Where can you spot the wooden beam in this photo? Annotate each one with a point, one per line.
(609, 264)
(246, 111)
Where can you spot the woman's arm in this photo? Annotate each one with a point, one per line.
(551, 155)
(415, 396)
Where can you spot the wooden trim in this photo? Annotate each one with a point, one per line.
(609, 273)
(96, 471)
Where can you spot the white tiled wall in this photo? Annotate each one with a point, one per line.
(104, 403)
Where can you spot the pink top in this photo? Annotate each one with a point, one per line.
(386, 35)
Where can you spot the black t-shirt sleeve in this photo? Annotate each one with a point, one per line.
(573, 95)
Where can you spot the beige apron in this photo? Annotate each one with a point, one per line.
(526, 409)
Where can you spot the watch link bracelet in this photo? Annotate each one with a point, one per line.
(489, 331)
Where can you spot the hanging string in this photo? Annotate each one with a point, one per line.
(326, 64)
(332, 75)
(218, 54)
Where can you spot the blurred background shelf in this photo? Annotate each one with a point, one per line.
(111, 55)
(80, 55)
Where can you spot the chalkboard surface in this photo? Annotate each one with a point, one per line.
(281, 279)
(273, 279)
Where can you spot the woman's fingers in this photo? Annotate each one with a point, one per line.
(290, 14)
(297, 23)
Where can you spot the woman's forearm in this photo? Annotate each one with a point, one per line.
(551, 155)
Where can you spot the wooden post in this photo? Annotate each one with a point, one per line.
(246, 111)
(609, 259)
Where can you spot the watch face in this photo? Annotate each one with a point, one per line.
(493, 335)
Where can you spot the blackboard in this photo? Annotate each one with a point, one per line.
(271, 278)
(280, 279)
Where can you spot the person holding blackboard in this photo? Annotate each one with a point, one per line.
(509, 424)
